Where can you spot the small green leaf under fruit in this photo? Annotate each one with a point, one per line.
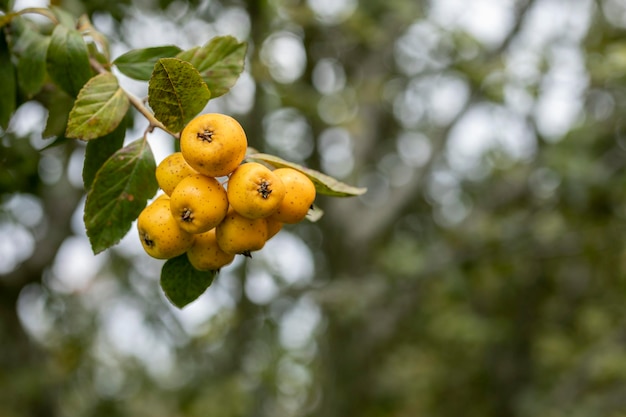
(220, 62)
(68, 60)
(99, 108)
(324, 184)
(139, 63)
(119, 192)
(182, 283)
(176, 93)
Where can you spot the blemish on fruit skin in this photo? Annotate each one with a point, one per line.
(149, 242)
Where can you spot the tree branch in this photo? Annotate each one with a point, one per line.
(137, 103)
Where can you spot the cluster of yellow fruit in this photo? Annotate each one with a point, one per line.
(211, 221)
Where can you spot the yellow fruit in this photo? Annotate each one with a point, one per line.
(159, 233)
(237, 234)
(299, 196)
(273, 227)
(206, 255)
(254, 191)
(198, 203)
(213, 144)
(171, 171)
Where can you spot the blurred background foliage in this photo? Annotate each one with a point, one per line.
(483, 274)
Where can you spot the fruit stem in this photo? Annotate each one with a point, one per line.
(137, 103)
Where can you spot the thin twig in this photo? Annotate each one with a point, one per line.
(137, 104)
(40, 11)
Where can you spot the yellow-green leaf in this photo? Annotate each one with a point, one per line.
(324, 184)
(99, 108)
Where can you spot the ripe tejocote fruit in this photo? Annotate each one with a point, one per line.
(254, 191)
(237, 234)
(206, 255)
(159, 233)
(299, 196)
(171, 171)
(213, 144)
(273, 227)
(198, 203)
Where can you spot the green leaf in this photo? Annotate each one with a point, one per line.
(99, 46)
(324, 184)
(68, 60)
(8, 96)
(182, 283)
(99, 108)
(59, 105)
(64, 17)
(118, 194)
(220, 62)
(31, 65)
(139, 63)
(99, 150)
(6, 5)
(176, 93)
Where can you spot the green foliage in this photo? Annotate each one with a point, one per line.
(67, 68)
(99, 108)
(6, 5)
(98, 152)
(63, 17)
(182, 283)
(8, 82)
(59, 105)
(68, 60)
(176, 93)
(139, 63)
(220, 62)
(119, 192)
(31, 47)
(498, 292)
